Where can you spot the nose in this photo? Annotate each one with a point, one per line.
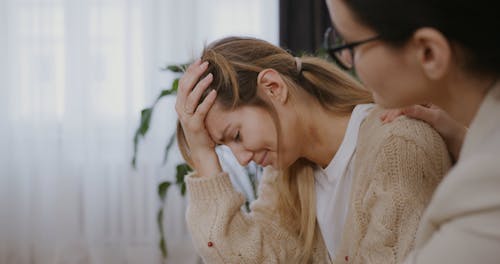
(243, 155)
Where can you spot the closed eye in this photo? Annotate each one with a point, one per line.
(237, 137)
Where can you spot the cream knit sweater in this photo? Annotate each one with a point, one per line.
(398, 166)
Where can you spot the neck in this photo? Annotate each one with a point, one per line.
(323, 132)
(463, 97)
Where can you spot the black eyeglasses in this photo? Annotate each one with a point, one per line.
(340, 51)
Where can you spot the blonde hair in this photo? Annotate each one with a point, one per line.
(235, 63)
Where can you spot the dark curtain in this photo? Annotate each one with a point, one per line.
(302, 24)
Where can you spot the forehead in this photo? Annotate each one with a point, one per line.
(218, 118)
(217, 112)
(345, 21)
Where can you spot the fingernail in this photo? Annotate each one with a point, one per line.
(204, 65)
(214, 92)
(209, 76)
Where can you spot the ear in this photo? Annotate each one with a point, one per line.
(433, 52)
(271, 84)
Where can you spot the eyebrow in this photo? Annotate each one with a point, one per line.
(221, 139)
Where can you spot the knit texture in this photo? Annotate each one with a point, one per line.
(214, 215)
(398, 166)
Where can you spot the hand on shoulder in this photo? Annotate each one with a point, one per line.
(451, 130)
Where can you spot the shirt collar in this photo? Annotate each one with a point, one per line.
(338, 165)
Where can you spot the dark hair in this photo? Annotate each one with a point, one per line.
(473, 25)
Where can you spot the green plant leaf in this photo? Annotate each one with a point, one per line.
(134, 156)
(177, 68)
(165, 93)
(145, 120)
(163, 248)
(147, 112)
(183, 189)
(159, 220)
(182, 170)
(141, 131)
(174, 68)
(173, 89)
(162, 189)
(163, 243)
(170, 144)
(175, 85)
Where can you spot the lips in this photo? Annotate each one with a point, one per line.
(263, 159)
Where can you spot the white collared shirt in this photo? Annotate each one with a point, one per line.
(333, 184)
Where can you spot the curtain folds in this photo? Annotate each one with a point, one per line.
(74, 75)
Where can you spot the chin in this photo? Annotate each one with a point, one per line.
(387, 103)
(283, 164)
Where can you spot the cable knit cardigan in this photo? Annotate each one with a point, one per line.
(397, 167)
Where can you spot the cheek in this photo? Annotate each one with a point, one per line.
(259, 136)
(289, 151)
(287, 160)
(392, 81)
(368, 67)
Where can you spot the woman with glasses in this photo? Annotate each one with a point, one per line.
(446, 53)
(337, 180)
(452, 131)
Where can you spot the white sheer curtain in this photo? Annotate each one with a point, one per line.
(74, 75)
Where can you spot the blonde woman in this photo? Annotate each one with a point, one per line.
(337, 183)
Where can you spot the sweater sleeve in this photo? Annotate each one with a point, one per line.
(223, 233)
(406, 172)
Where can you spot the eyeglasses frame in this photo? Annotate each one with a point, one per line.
(332, 50)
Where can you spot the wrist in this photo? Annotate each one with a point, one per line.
(206, 163)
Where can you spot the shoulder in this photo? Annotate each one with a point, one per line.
(403, 130)
(403, 145)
